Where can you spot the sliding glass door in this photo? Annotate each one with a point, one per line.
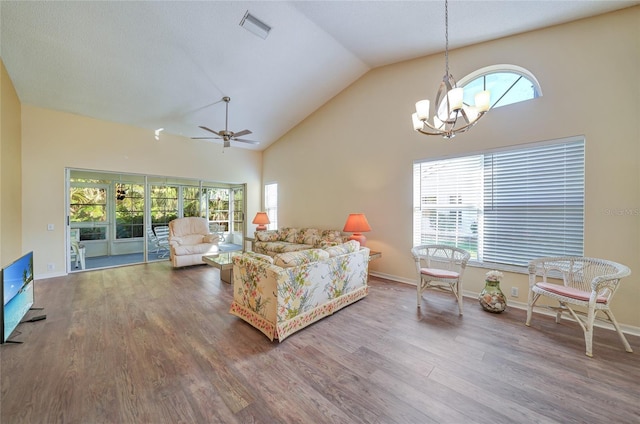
(116, 219)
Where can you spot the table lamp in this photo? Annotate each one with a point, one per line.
(262, 220)
(357, 223)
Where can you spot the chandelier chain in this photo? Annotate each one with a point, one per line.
(446, 37)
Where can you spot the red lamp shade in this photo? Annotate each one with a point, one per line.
(262, 220)
(357, 223)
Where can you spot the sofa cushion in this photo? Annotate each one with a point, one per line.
(269, 235)
(190, 225)
(332, 236)
(273, 247)
(188, 239)
(342, 249)
(302, 257)
(288, 234)
(308, 236)
(191, 249)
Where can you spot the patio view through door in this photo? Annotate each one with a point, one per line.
(117, 219)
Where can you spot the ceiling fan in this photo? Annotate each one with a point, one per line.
(226, 135)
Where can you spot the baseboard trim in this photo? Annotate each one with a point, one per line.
(627, 329)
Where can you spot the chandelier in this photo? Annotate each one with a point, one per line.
(451, 115)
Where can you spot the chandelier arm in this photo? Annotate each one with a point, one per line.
(435, 131)
(467, 127)
(438, 131)
(466, 118)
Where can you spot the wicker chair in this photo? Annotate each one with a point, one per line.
(440, 267)
(586, 282)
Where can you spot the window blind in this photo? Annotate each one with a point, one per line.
(271, 204)
(504, 207)
(533, 203)
(448, 201)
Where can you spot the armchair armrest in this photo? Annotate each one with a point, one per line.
(211, 238)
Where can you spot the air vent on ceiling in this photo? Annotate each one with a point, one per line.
(255, 25)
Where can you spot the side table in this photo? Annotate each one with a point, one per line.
(249, 240)
(224, 262)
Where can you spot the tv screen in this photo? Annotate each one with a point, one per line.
(17, 290)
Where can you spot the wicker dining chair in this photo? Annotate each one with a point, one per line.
(588, 283)
(440, 267)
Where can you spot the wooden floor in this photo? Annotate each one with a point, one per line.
(149, 344)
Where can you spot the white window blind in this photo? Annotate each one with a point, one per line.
(533, 203)
(271, 204)
(504, 207)
(448, 201)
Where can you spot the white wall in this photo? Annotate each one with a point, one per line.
(54, 140)
(10, 171)
(355, 154)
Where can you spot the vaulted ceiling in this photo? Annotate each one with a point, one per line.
(167, 64)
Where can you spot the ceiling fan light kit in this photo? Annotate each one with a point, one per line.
(225, 135)
(451, 115)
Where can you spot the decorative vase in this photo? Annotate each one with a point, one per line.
(491, 297)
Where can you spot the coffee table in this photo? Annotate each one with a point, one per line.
(224, 262)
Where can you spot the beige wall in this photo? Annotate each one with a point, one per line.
(54, 140)
(10, 171)
(355, 154)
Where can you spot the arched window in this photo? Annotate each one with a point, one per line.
(507, 83)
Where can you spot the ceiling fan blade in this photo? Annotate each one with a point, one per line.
(241, 133)
(209, 129)
(246, 141)
(205, 138)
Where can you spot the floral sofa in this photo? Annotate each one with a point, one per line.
(284, 240)
(283, 294)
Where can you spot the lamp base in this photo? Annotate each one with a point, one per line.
(261, 228)
(359, 238)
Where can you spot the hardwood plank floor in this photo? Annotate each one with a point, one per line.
(150, 344)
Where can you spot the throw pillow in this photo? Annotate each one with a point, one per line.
(288, 234)
(269, 235)
(309, 236)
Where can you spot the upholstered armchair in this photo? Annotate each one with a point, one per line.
(190, 240)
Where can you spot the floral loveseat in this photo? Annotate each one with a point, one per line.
(283, 294)
(284, 240)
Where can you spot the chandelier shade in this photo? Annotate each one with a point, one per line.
(451, 115)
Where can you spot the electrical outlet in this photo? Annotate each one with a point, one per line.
(514, 292)
(50, 227)
(51, 266)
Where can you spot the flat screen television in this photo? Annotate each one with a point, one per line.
(17, 291)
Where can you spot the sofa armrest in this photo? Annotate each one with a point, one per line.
(211, 238)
